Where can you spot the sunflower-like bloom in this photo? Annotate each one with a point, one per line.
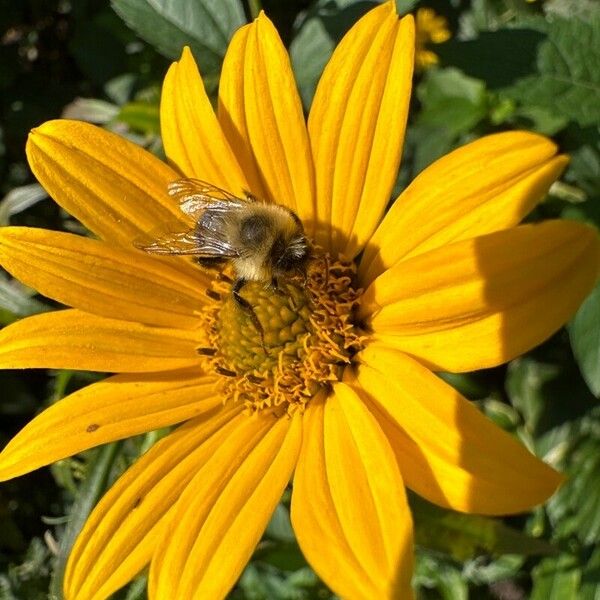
(431, 28)
(344, 402)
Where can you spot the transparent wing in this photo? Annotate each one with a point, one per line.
(196, 196)
(206, 240)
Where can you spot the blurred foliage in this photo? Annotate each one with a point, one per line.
(509, 64)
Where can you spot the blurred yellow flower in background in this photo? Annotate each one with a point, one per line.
(346, 403)
(430, 28)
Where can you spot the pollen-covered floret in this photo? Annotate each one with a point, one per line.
(309, 337)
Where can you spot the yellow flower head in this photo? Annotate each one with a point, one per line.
(430, 28)
(340, 394)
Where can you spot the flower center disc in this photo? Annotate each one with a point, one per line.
(308, 336)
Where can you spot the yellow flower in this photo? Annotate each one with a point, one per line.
(348, 406)
(430, 28)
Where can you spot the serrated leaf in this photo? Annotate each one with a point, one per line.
(568, 79)
(168, 25)
(584, 331)
(466, 536)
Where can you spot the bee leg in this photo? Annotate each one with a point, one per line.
(275, 287)
(248, 309)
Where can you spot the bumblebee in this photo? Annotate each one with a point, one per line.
(263, 241)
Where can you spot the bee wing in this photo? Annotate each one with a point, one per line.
(196, 196)
(206, 240)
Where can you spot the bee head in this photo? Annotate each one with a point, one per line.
(289, 255)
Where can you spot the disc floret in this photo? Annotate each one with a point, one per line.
(309, 337)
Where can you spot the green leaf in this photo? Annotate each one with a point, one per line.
(91, 110)
(403, 7)
(585, 167)
(488, 572)
(556, 579)
(573, 510)
(471, 385)
(466, 536)
(310, 50)
(584, 331)
(285, 556)
(90, 491)
(137, 589)
(452, 100)
(169, 25)
(16, 301)
(120, 88)
(317, 32)
(539, 119)
(498, 57)
(280, 527)
(452, 105)
(590, 578)
(266, 583)
(568, 79)
(583, 9)
(141, 116)
(446, 579)
(28, 580)
(20, 199)
(546, 393)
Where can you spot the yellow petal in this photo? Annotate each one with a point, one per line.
(261, 114)
(71, 339)
(356, 127)
(447, 450)
(349, 508)
(223, 512)
(485, 186)
(191, 133)
(120, 535)
(102, 279)
(115, 188)
(483, 301)
(116, 408)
